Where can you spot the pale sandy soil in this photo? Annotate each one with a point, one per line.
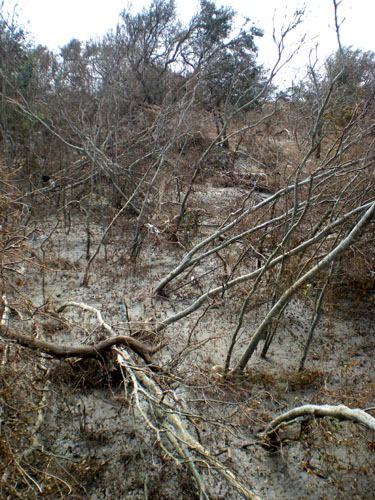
(95, 426)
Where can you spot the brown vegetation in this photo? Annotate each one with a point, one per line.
(163, 182)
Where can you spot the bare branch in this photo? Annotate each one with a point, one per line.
(341, 412)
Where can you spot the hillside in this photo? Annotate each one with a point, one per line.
(186, 255)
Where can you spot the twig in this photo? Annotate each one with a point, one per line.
(177, 434)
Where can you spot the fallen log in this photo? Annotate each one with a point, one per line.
(340, 412)
(82, 351)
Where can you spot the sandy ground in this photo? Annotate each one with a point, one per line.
(90, 421)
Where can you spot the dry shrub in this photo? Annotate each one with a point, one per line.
(28, 471)
(11, 229)
(343, 453)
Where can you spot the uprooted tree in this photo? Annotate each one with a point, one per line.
(126, 127)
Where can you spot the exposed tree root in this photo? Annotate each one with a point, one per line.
(82, 351)
(168, 422)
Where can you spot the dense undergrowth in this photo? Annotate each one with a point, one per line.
(164, 182)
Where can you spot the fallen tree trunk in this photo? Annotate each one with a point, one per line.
(82, 351)
(168, 424)
(171, 426)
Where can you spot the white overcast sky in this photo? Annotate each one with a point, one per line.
(55, 22)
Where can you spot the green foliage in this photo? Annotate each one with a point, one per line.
(150, 40)
(212, 25)
(230, 74)
(353, 74)
(17, 85)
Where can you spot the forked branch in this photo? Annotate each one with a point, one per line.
(171, 426)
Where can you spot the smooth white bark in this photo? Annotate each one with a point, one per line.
(308, 276)
(341, 412)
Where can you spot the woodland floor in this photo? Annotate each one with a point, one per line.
(105, 447)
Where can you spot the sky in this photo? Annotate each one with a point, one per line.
(54, 23)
